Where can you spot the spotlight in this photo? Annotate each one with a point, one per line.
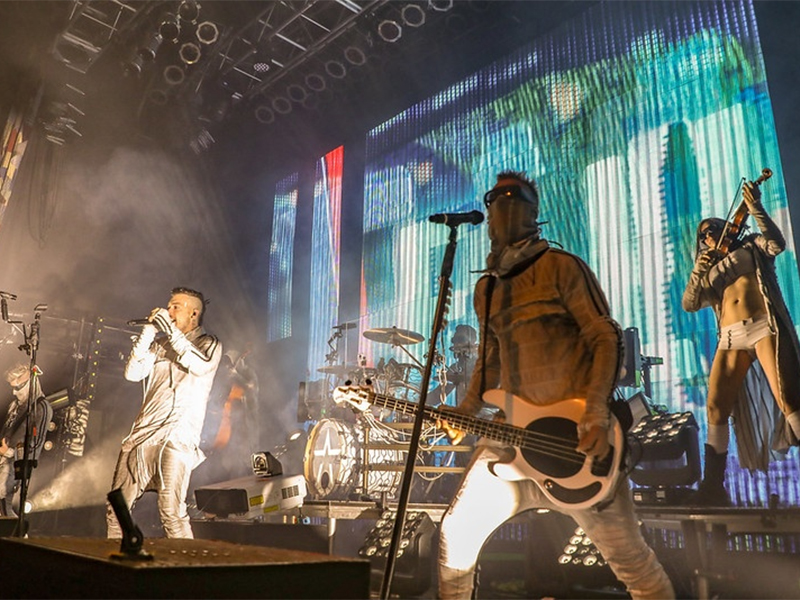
(170, 27)
(264, 114)
(440, 5)
(158, 96)
(174, 75)
(189, 53)
(150, 48)
(266, 465)
(355, 56)
(413, 15)
(335, 69)
(133, 68)
(282, 105)
(294, 435)
(314, 82)
(189, 10)
(261, 64)
(296, 92)
(207, 33)
(389, 31)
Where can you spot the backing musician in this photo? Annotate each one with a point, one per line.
(13, 432)
(753, 324)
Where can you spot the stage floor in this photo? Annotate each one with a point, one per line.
(708, 553)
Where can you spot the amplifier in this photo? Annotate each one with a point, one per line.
(251, 496)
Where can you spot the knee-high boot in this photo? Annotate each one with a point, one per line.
(711, 491)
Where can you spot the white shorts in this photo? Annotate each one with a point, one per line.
(744, 335)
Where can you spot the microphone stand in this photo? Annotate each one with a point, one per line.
(405, 488)
(23, 467)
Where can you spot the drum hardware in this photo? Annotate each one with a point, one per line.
(341, 371)
(395, 337)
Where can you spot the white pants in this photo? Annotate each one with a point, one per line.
(744, 335)
(164, 469)
(485, 501)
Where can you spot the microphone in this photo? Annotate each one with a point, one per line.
(456, 219)
(134, 322)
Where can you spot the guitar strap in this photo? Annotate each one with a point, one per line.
(489, 292)
(519, 268)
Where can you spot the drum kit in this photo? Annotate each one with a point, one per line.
(343, 459)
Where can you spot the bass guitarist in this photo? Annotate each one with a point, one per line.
(546, 337)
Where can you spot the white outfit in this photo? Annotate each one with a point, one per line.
(163, 446)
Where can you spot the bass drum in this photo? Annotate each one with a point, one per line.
(334, 463)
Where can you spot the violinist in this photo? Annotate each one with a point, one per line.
(735, 276)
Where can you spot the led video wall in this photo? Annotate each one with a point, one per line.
(637, 121)
(281, 259)
(325, 255)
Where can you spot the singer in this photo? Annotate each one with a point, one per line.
(162, 448)
(546, 337)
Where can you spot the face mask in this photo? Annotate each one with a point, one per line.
(511, 220)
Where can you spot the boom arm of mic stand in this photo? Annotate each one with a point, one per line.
(408, 474)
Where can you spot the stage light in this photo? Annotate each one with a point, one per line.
(281, 105)
(207, 33)
(316, 83)
(296, 93)
(265, 465)
(412, 574)
(170, 27)
(174, 74)
(189, 10)
(667, 448)
(440, 5)
(158, 96)
(335, 69)
(413, 15)
(189, 53)
(261, 64)
(581, 551)
(355, 56)
(264, 114)
(150, 48)
(294, 435)
(390, 31)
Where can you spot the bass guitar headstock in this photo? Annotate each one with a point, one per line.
(356, 396)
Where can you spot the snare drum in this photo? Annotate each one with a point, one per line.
(334, 463)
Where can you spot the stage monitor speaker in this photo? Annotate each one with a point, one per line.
(178, 568)
(414, 564)
(8, 526)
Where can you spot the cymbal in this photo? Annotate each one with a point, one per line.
(338, 370)
(393, 336)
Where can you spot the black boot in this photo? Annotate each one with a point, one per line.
(711, 491)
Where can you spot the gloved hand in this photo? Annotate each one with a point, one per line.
(161, 319)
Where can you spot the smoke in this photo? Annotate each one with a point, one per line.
(84, 482)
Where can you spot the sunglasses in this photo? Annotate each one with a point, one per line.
(709, 231)
(510, 191)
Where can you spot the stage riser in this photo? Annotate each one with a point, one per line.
(83, 568)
